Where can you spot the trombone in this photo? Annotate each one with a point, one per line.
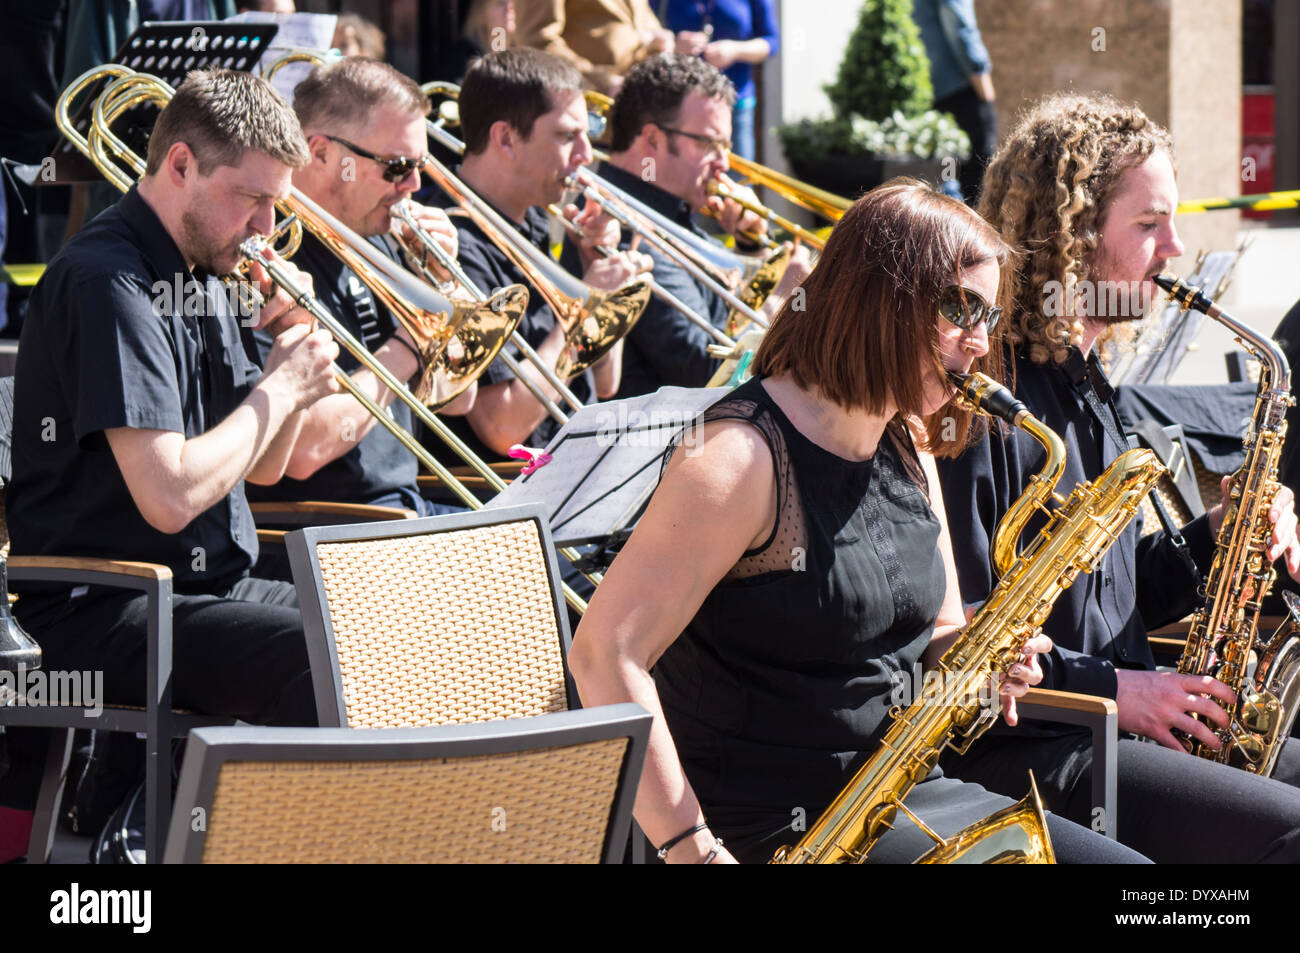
(826, 204)
(720, 269)
(656, 289)
(728, 191)
(430, 319)
(593, 320)
(402, 211)
(658, 231)
(253, 249)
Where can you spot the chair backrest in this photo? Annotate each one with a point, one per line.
(1180, 490)
(436, 621)
(553, 789)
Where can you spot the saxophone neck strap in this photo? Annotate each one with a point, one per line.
(1089, 382)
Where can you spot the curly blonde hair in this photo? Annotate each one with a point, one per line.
(1047, 191)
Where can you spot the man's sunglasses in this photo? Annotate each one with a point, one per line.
(964, 308)
(395, 169)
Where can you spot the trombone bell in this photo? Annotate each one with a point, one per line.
(478, 339)
(591, 328)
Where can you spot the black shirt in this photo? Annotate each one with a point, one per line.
(490, 269)
(779, 688)
(109, 342)
(1100, 622)
(378, 465)
(665, 349)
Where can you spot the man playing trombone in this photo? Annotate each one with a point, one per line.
(365, 128)
(525, 125)
(138, 417)
(671, 134)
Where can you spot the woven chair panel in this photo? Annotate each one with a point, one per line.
(547, 806)
(1207, 481)
(444, 628)
(1169, 496)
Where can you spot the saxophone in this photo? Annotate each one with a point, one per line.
(960, 704)
(1224, 632)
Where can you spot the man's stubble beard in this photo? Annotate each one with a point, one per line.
(199, 248)
(1133, 298)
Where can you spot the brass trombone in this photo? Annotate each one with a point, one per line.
(660, 292)
(402, 212)
(430, 319)
(743, 281)
(593, 320)
(512, 298)
(826, 204)
(726, 190)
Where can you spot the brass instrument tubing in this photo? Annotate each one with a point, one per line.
(402, 210)
(590, 184)
(656, 289)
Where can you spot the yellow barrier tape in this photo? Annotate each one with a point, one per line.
(24, 276)
(1262, 202)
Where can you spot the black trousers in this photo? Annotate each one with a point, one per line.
(1173, 807)
(241, 652)
(947, 806)
(979, 120)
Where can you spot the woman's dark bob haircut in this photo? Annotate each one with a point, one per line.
(857, 328)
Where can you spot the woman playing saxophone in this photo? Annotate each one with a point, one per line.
(794, 564)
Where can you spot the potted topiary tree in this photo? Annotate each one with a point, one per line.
(883, 124)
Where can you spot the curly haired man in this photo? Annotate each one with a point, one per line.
(1084, 188)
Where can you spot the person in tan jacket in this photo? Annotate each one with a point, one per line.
(602, 38)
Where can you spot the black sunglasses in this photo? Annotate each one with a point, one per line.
(395, 170)
(963, 308)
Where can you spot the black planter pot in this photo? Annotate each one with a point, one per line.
(850, 176)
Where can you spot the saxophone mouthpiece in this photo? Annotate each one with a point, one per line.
(988, 396)
(1183, 294)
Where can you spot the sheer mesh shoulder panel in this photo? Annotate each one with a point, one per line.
(790, 533)
(902, 437)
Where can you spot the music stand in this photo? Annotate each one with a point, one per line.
(605, 464)
(168, 50)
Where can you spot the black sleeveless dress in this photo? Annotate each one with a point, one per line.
(780, 686)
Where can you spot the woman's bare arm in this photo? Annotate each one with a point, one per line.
(714, 502)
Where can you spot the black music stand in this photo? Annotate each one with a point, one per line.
(605, 465)
(169, 51)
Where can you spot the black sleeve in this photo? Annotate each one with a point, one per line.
(978, 489)
(125, 372)
(674, 347)
(1166, 589)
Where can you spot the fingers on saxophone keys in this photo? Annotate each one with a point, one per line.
(1198, 686)
(1198, 730)
(1039, 645)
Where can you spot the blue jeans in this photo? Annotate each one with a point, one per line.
(742, 130)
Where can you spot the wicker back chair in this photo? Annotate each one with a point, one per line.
(1188, 489)
(436, 621)
(553, 789)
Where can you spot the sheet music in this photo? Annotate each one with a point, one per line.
(298, 31)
